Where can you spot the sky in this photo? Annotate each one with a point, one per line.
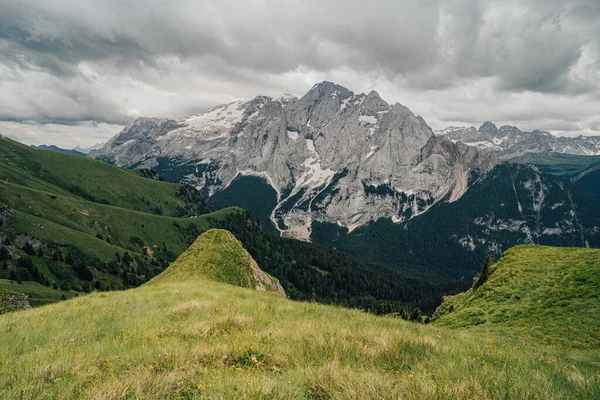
(76, 72)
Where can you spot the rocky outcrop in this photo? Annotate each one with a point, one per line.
(331, 155)
(11, 300)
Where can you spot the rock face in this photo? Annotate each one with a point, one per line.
(331, 155)
(508, 142)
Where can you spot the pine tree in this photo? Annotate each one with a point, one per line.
(484, 273)
(416, 315)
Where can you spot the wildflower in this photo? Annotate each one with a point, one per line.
(289, 382)
(57, 380)
(238, 369)
(150, 367)
(199, 386)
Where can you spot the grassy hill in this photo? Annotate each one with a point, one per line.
(184, 336)
(218, 255)
(549, 294)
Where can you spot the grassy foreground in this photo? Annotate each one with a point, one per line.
(185, 336)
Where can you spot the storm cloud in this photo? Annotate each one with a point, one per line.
(85, 64)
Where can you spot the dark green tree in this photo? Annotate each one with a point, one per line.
(484, 273)
(4, 253)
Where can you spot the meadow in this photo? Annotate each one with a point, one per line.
(185, 336)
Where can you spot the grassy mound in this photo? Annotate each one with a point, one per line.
(185, 336)
(218, 255)
(551, 294)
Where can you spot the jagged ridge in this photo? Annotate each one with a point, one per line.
(508, 142)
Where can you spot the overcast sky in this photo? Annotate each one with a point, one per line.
(75, 72)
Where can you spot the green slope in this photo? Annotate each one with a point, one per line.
(550, 294)
(37, 293)
(186, 337)
(88, 224)
(82, 177)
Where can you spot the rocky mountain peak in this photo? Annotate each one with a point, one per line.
(509, 141)
(506, 130)
(327, 88)
(330, 155)
(488, 128)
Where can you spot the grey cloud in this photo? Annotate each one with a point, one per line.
(112, 60)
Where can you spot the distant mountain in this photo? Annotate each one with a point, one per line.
(353, 172)
(59, 150)
(507, 142)
(327, 157)
(86, 150)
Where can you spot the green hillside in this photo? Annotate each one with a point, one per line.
(37, 293)
(69, 222)
(185, 336)
(549, 294)
(85, 178)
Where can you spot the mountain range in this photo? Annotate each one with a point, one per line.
(327, 155)
(508, 142)
(52, 147)
(357, 173)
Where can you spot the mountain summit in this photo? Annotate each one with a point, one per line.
(331, 156)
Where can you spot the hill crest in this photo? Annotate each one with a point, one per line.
(218, 255)
(546, 293)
